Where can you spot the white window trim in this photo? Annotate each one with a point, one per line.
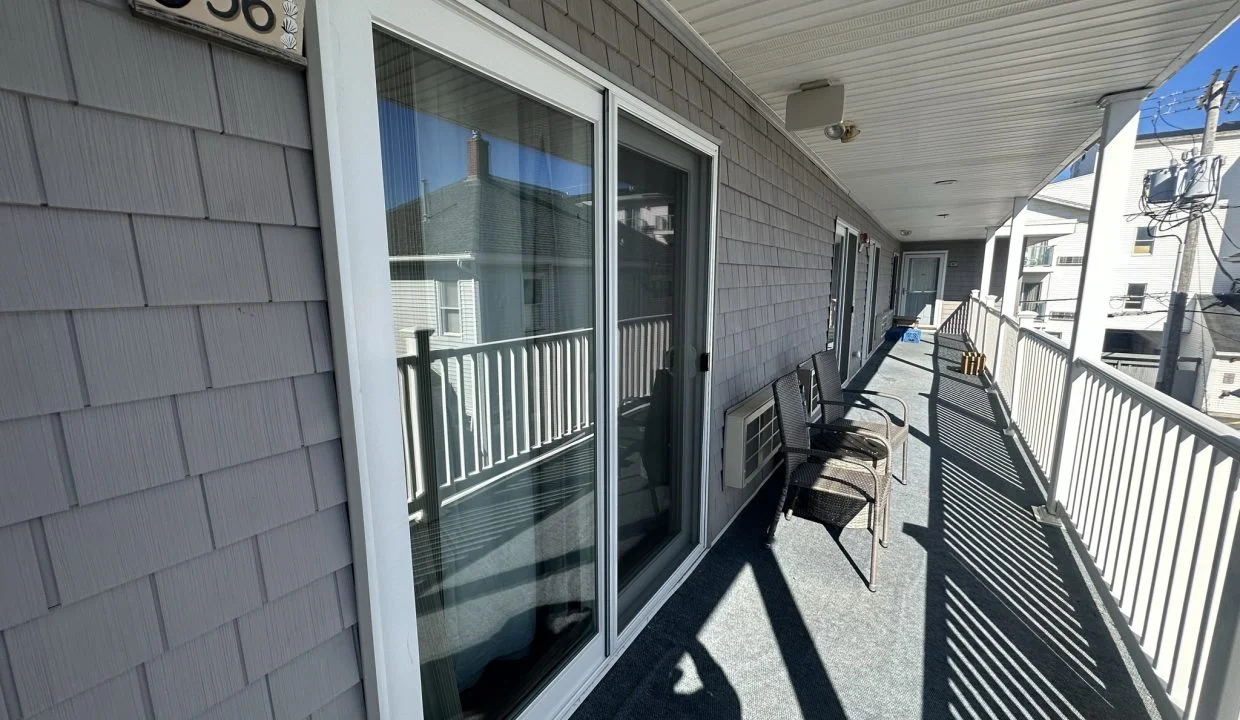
(344, 123)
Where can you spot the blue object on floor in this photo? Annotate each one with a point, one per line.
(904, 334)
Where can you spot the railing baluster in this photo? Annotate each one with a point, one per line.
(512, 401)
(1209, 506)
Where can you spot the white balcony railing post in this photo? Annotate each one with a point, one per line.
(1115, 151)
(988, 262)
(1015, 258)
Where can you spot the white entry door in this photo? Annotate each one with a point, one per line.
(923, 290)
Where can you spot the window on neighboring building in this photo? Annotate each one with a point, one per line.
(1070, 259)
(1135, 299)
(449, 307)
(1144, 244)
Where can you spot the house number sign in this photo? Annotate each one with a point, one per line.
(270, 27)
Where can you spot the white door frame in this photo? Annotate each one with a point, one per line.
(936, 312)
(871, 309)
(344, 120)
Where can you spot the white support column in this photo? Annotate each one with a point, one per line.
(1106, 220)
(1015, 258)
(988, 263)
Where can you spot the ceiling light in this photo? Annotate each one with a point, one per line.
(845, 131)
(945, 182)
(905, 233)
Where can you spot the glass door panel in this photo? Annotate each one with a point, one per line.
(490, 198)
(659, 260)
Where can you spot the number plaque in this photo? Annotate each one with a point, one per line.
(269, 27)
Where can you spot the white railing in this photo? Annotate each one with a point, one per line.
(492, 407)
(1150, 495)
(643, 343)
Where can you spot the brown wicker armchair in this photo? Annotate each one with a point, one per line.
(842, 479)
(831, 398)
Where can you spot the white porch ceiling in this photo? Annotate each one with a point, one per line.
(997, 95)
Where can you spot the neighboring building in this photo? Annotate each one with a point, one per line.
(1143, 259)
(1221, 314)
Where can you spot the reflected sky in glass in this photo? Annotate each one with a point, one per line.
(442, 144)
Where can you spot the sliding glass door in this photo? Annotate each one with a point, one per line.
(660, 251)
(493, 253)
(522, 257)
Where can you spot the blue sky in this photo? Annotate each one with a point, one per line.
(1222, 53)
(442, 146)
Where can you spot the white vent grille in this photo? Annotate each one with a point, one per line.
(750, 440)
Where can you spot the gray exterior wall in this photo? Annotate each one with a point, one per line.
(173, 535)
(777, 209)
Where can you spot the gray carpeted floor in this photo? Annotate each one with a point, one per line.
(980, 612)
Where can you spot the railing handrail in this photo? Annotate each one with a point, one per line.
(629, 321)
(439, 353)
(1052, 342)
(1199, 423)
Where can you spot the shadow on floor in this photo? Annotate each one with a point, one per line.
(981, 612)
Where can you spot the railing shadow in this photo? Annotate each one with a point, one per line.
(649, 680)
(1011, 626)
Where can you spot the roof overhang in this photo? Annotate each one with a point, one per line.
(999, 96)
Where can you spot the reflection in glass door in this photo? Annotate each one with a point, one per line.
(490, 198)
(661, 319)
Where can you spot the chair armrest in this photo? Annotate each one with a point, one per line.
(889, 396)
(823, 427)
(809, 452)
(867, 408)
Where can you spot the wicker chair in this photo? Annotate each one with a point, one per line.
(841, 478)
(831, 398)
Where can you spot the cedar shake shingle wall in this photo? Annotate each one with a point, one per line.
(777, 209)
(173, 534)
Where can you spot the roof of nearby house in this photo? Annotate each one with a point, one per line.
(1222, 319)
(489, 214)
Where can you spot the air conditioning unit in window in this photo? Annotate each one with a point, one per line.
(750, 440)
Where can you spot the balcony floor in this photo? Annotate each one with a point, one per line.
(980, 611)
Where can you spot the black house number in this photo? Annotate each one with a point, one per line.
(258, 14)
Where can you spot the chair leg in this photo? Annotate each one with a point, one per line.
(874, 552)
(903, 463)
(779, 510)
(791, 503)
(886, 541)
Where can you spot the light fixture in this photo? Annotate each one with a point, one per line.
(844, 131)
(949, 181)
(905, 233)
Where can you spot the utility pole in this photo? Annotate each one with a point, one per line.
(1168, 363)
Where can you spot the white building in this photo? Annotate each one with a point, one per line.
(1143, 259)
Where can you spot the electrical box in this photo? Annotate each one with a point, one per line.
(1200, 178)
(815, 109)
(1161, 185)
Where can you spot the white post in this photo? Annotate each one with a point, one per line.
(1106, 220)
(988, 262)
(1015, 258)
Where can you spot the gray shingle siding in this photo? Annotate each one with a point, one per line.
(777, 209)
(19, 180)
(165, 480)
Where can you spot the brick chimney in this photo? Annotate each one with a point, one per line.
(477, 157)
